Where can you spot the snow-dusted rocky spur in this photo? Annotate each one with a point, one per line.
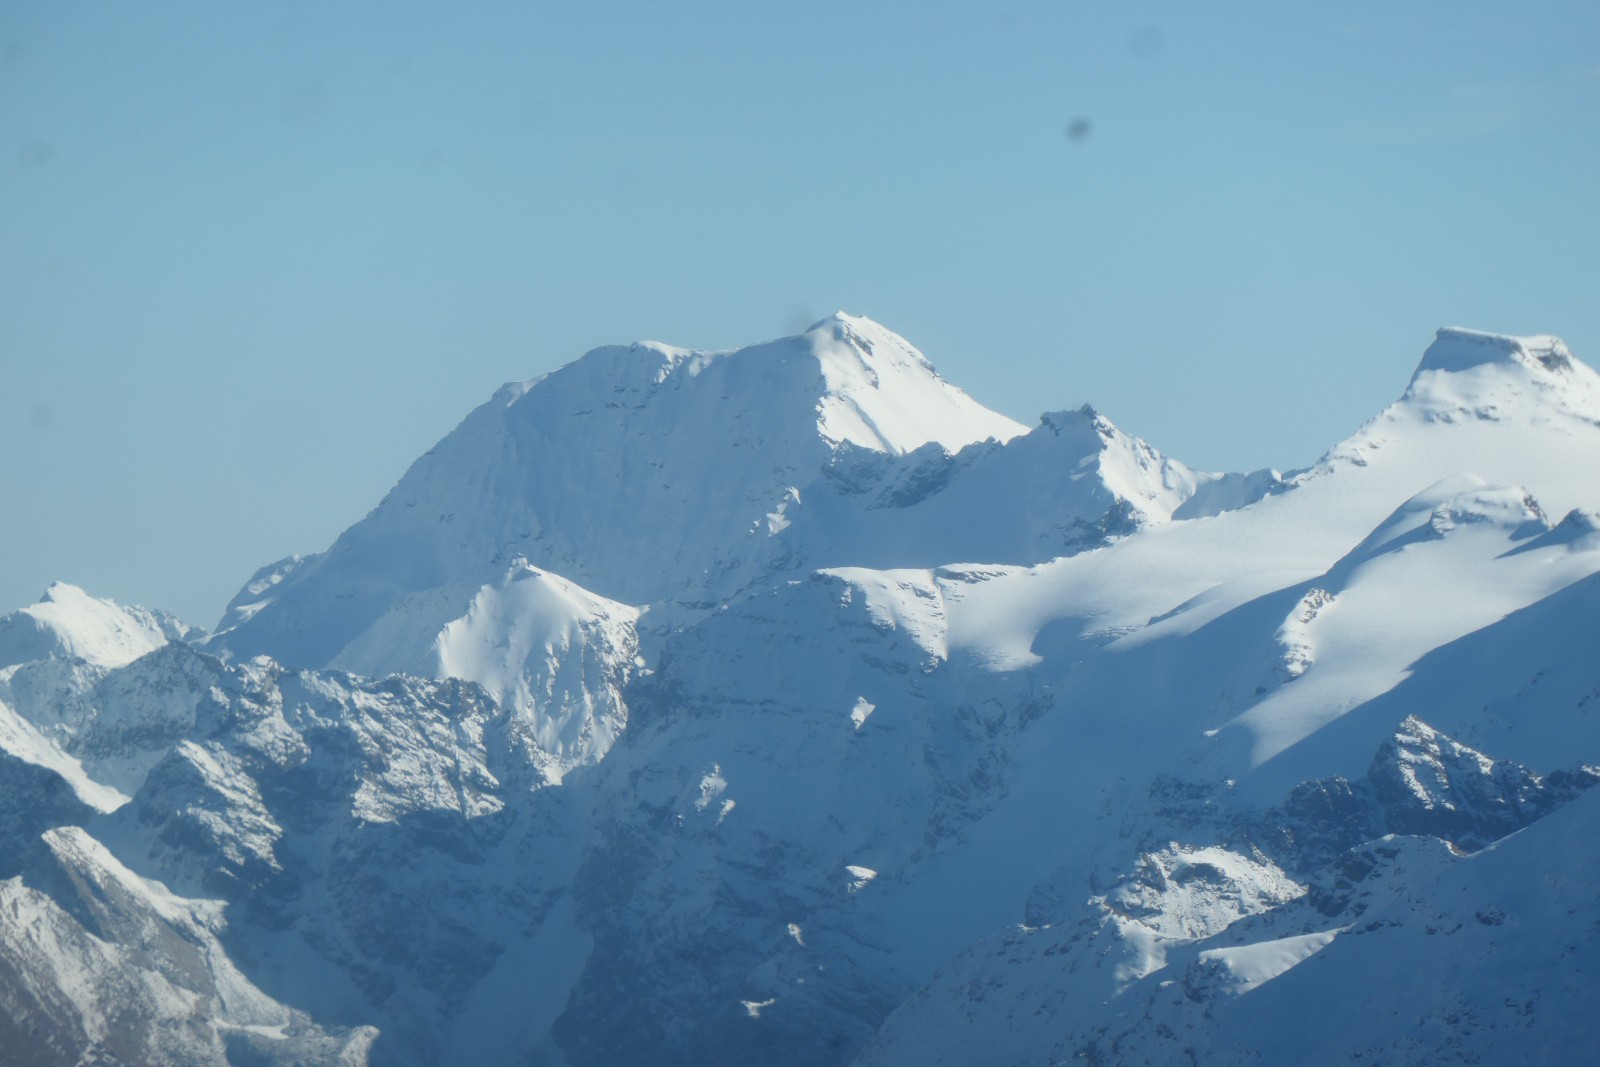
(786, 706)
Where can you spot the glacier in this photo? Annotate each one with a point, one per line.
(783, 705)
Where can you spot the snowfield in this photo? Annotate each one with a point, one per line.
(785, 706)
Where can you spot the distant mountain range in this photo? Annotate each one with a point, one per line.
(786, 706)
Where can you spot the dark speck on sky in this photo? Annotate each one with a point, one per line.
(213, 211)
(33, 154)
(303, 103)
(1145, 41)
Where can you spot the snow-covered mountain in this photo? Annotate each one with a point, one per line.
(68, 623)
(642, 472)
(521, 550)
(785, 706)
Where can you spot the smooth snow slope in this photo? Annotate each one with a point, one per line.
(1480, 413)
(1175, 645)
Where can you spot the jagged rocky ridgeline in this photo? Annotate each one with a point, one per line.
(784, 705)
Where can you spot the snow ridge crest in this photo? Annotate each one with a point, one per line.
(1456, 349)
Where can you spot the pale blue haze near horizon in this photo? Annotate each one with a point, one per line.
(254, 259)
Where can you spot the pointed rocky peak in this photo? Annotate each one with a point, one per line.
(1428, 783)
(1423, 782)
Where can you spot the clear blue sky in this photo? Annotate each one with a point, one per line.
(255, 258)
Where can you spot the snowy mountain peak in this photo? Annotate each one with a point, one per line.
(862, 333)
(843, 320)
(1493, 376)
(882, 393)
(68, 623)
(1457, 349)
(601, 472)
(852, 380)
(769, 728)
(1486, 403)
(1059, 421)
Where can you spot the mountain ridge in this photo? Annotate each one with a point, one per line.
(940, 743)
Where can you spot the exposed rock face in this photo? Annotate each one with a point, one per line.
(1179, 936)
(99, 965)
(1424, 784)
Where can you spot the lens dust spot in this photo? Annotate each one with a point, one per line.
(1145, 41)
(34, 154)
(41, 417)
(534, 113)
(1079, 129)
(303, 103)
